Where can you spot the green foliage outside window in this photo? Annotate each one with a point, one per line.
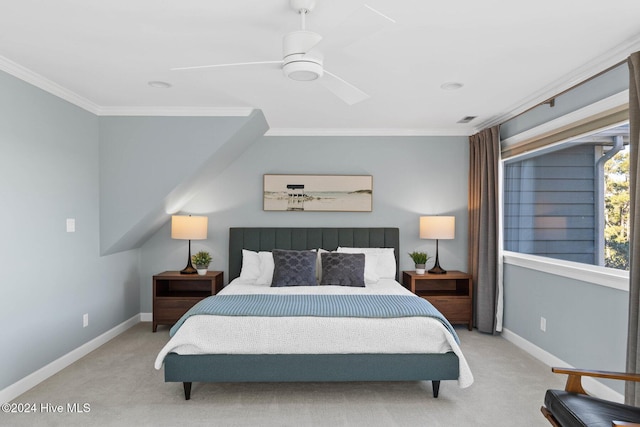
(616, 232)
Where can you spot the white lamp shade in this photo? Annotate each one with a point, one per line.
(189, 227)
(437, 227)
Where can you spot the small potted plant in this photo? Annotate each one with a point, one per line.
(201, 260)
(419, 259)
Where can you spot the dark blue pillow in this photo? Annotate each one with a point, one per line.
(342, 269)
(294, 268)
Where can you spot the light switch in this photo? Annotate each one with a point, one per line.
(71, 225)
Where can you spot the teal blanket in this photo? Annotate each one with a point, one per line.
(368, 306)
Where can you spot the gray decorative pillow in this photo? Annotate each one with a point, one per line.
(294, 268)
(342, 269)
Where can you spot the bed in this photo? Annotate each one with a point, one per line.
(188, 357)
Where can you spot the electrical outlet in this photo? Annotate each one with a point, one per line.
(85, 320)
(71, 225)
(543, 324)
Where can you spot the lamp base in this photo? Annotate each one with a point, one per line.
(189, 269)
(437, 270)
(436, 267)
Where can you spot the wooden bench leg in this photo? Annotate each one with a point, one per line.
(187, 391)
(549, 417)
(436, 387)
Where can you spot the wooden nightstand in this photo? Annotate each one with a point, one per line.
(451, 293)
(175, 293)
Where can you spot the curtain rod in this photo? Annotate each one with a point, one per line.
(552, 100)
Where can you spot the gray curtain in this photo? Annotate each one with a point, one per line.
(632, 392)
(484, 155)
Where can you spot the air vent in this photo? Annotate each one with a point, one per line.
(466, 119)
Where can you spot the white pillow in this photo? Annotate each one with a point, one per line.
(319, 264)
(250, 265)
(370, 263)
(266, 268)
(370, 268)
(385, 262)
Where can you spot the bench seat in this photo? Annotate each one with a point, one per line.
(574, 409)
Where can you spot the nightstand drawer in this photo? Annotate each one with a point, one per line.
(173, 303)
(172, 309)
(454, 308)
(460, 305)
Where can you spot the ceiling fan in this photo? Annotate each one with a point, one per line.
(302, 51)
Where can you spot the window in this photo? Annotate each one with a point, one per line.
(570, 200)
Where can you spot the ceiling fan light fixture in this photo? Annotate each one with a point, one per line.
(303, 71)
(297, 64)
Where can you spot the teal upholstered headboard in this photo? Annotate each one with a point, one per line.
(267, 239)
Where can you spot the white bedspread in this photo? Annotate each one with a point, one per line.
(206, 334)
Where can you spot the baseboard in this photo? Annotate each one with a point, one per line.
(146, 317)
(16, 389)
(592, 386)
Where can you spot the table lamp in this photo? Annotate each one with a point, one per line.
(437, 227)
(189, 228)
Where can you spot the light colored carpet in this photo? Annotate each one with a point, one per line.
(122, 388)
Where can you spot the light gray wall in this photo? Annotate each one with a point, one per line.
(412, 176)
(586, 323)
(151, 166)
(48, 173)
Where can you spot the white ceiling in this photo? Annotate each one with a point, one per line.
(508, 54)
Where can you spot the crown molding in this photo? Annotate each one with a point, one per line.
(589, 69)
(365, 132)
(24, 74)
(175, 111)
(35, 79)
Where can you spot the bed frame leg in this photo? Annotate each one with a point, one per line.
(187, 391)
(436, 387)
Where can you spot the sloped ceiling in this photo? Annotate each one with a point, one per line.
(180, 155)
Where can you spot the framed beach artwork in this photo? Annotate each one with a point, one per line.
(314, 193)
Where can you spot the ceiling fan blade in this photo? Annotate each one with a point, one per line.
(227, 65)
(360, 24)
(343, 90)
